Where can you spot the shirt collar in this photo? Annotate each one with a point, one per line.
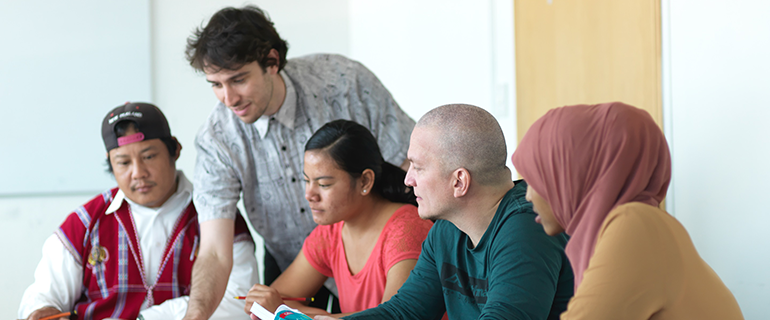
(184, 189)
(285, 114)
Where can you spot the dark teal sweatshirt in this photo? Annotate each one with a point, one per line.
(515, 272)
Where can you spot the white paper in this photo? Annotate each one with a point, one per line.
(261, 312)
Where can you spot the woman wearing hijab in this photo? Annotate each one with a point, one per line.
(599, 173)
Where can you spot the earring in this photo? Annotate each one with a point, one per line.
(364, 190)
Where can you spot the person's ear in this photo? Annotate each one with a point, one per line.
(274, 58)
(178, 148)
(367, 181)
(461, 181)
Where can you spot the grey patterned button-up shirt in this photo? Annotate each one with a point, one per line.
(234, 159)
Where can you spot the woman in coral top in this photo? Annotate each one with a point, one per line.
(369, 235)
(599, 173)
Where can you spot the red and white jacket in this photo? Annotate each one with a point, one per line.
(121, 275)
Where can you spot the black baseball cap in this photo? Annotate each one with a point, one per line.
(150, 124)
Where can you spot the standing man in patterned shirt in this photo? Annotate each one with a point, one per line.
(253, 141)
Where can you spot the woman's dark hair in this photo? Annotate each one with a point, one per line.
(354, 149)
(234, 37)
(122, 127)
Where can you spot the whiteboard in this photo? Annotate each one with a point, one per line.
(64, 65)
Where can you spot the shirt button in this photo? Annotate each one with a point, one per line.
(293, 179)
(302, 210)
(283, 148)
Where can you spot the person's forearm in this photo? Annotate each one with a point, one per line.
(243, 275)
(310, 311)
(209, 282)
(341, 315)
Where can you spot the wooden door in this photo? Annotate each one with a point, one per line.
(586, 52)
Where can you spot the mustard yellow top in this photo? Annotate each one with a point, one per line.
(645, 267)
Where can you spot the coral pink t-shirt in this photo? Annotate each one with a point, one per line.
(401, 239)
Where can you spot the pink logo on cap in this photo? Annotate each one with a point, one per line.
(136, 137)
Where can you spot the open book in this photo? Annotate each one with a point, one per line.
(282, 313)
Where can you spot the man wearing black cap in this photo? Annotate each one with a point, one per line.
(128, 252)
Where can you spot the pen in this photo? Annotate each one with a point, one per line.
(63, 314)
(311, 299)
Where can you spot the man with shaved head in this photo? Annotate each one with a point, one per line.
(485, 257)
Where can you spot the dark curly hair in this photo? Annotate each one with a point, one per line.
(234, 37)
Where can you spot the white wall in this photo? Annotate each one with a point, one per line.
(717, 109)
(63, 62)
(434, 52)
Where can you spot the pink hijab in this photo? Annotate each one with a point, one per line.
(585, 160)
